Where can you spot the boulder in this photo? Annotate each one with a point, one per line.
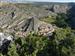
(5, 40)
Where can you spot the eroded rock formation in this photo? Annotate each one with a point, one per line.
(5, 40)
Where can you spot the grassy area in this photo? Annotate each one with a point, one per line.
(48, 19)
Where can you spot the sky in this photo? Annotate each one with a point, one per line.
(53, 0)
(39, 0)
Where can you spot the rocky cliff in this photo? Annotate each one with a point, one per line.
(15, 16)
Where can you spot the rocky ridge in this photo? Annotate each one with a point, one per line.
(25, 17)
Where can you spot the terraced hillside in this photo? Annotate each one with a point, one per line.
(15, 16)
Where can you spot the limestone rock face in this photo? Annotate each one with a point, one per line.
(5, 40)
(16, 16)
(35, 25)
(45, 29)
(60, 8)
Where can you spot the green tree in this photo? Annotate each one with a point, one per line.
(12, 50)
(61, 43)
(61, 20)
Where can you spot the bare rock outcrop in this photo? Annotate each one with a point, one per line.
(5, 40)
(60, 8)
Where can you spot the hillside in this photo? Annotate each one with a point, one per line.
(37, 29)
(14, 15)
(20, 12)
